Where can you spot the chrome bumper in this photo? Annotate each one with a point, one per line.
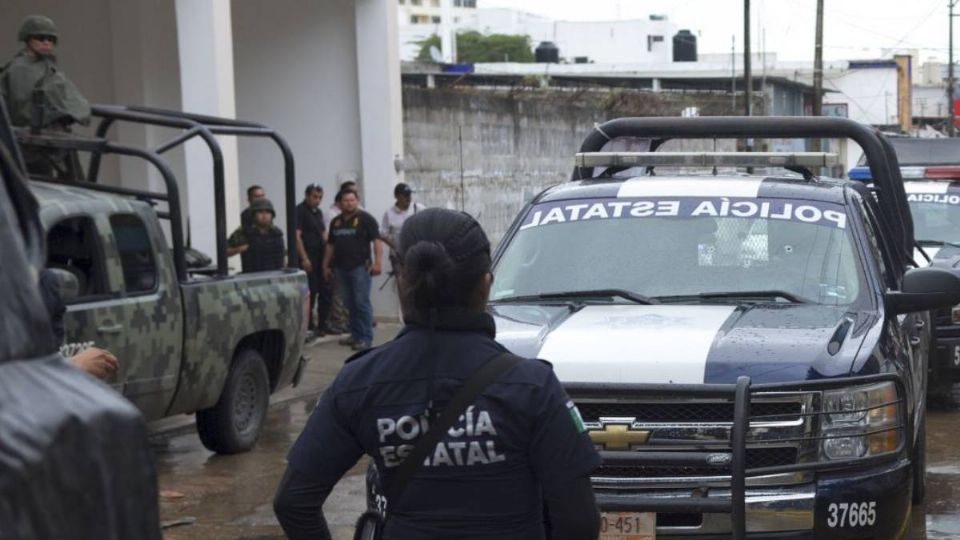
(767, 510)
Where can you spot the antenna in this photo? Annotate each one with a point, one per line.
(435, 54)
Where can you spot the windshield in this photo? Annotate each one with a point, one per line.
(662, 248)
(936, 216)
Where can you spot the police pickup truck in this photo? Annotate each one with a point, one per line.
(931, 177)
(746, 351)
(217, 345)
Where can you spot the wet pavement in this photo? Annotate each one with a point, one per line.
(210, 497)
(204, 496)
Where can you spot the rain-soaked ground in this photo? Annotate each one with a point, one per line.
(209, 497)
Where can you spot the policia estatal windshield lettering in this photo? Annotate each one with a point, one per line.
(515, 457)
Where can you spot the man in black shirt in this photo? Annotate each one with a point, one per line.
(311, 245)
(348, 257)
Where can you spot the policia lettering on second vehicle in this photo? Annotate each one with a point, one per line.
(518, 448)
(260, 245)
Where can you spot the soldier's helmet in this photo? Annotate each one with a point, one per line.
(262, 203)
(37, 25)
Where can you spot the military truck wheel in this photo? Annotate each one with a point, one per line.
(233, 425)
(920, 463)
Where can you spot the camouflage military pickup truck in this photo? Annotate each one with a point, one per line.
(211, 343)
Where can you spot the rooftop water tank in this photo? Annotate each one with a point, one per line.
(684, 47)
(547, 53)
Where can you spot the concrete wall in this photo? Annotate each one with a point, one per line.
(515, 144)
(296, 71)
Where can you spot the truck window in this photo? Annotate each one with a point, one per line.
(74, 245)
(136, 254)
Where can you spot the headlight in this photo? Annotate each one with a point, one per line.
(861, 421)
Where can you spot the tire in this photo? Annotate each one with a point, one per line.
(920, 462)
(233, 425)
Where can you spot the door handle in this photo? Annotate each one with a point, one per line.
(914, 340)
(110, 329)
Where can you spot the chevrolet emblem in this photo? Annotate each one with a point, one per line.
(619, 437)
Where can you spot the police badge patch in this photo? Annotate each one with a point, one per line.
(575, 416)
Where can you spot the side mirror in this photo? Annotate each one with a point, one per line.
(68, 283)
(924, 289)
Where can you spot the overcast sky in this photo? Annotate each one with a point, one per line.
(852, 28)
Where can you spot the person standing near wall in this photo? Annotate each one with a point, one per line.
(254, 192)
(348, 256)
(311, 244)
(393, 219)
(260, 245)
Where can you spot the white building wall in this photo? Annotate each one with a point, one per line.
(296, 71)
(871, 94)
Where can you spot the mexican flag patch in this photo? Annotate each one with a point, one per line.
(575, 416)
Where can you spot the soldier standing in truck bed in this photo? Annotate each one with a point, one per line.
(40, 96)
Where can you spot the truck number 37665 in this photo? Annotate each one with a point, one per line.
(852, 514)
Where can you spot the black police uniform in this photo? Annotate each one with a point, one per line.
(311, 225)
(484, 479)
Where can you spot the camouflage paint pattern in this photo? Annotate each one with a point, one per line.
(175, 344)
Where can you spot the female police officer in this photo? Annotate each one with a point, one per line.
(517, 449)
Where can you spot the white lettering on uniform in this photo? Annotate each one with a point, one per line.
(458, 448)
(475, 454)
(484, 425)
(441, 456)
(385, 427)
(407, 428)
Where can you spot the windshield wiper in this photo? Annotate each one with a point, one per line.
(933, 243)
(740, 295)
(579, 295)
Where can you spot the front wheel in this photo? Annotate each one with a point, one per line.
(233, 425)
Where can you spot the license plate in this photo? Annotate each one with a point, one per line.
(628, 526)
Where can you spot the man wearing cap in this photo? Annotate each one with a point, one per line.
(260, 245)
(394, 217)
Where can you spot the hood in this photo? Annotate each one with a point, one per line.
(943, 257)
(683, 344)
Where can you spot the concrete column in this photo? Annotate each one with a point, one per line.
(205, 40)
(381, 118)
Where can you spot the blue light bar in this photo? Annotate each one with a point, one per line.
(860, 173)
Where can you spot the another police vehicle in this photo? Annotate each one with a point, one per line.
(931, 176)
(187, 339)
(747, 351)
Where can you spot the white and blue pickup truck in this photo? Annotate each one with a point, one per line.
(748, 351)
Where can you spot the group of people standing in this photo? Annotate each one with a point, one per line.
(341, 252)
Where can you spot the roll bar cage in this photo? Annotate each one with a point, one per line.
(879, 153)
(192, 125)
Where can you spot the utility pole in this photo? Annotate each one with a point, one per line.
(747, 78)
(816, 144)
(950, 82)
(733, 74)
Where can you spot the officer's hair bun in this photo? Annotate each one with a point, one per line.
(444, 255)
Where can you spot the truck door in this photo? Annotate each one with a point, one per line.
(152, 317)
(93, 318)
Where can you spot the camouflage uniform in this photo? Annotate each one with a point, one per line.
(60, 102)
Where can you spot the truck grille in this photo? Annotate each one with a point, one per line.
(756, 458)
(687, 412)
(780, 434)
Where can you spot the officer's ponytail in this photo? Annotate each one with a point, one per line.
(445, 255)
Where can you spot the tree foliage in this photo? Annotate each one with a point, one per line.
(474, 47)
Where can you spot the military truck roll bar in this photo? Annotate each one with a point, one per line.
(193, 125)
(879, 153)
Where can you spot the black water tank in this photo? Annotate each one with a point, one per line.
(547, 53)
(684, 47)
